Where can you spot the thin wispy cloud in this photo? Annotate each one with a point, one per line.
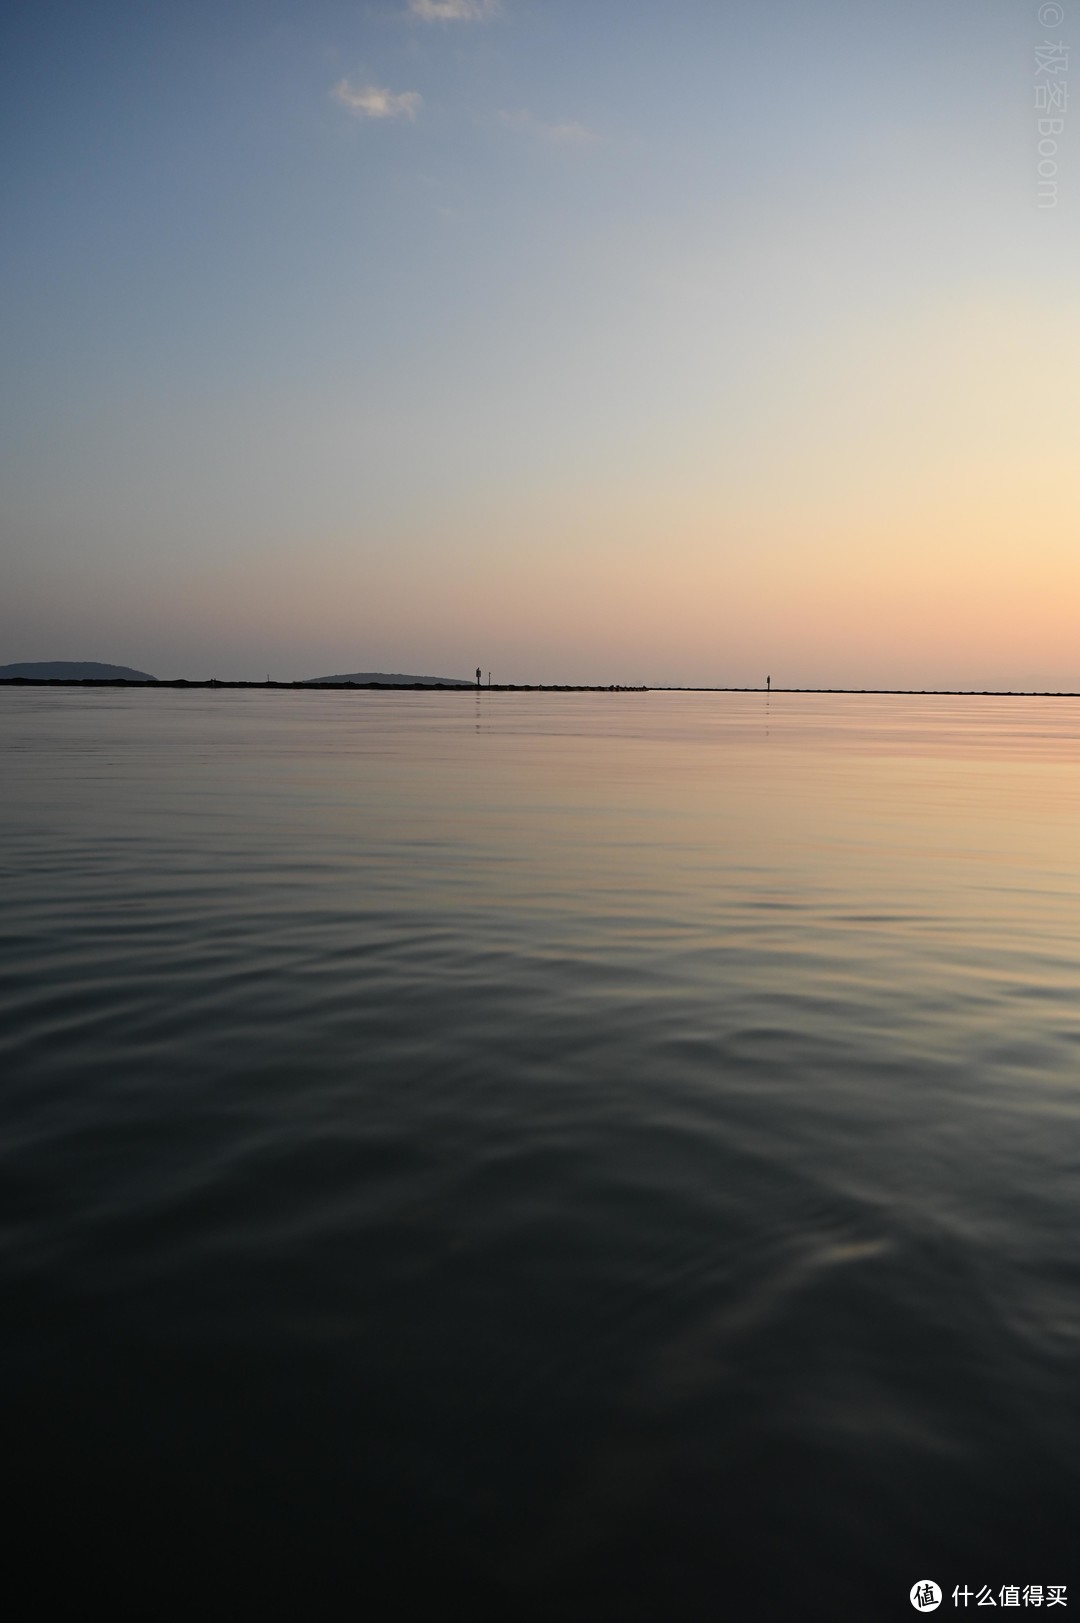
(372, 101)
(453, 11)
(568, 134)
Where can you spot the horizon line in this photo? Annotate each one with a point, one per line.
(464, 686)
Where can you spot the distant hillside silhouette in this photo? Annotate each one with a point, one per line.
(389, 677)
(73, 670)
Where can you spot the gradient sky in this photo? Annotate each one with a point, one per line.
(578, 339)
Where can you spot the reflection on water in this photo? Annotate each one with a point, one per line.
(601, 1156)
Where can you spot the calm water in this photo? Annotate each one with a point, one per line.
(597, 1156)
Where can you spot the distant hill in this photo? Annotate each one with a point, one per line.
(389, 677)
(73, 670)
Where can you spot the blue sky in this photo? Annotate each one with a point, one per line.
(581, 340)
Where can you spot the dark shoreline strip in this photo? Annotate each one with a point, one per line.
(518, 687)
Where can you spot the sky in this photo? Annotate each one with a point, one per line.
(580, 340)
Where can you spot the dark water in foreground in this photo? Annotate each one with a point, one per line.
(607, 1156)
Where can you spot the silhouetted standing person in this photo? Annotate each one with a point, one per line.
(478, 679)
(768, 684)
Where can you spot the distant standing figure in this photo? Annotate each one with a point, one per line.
(768, 684)
(478, 677)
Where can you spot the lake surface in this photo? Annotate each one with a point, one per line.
(605, 1156)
